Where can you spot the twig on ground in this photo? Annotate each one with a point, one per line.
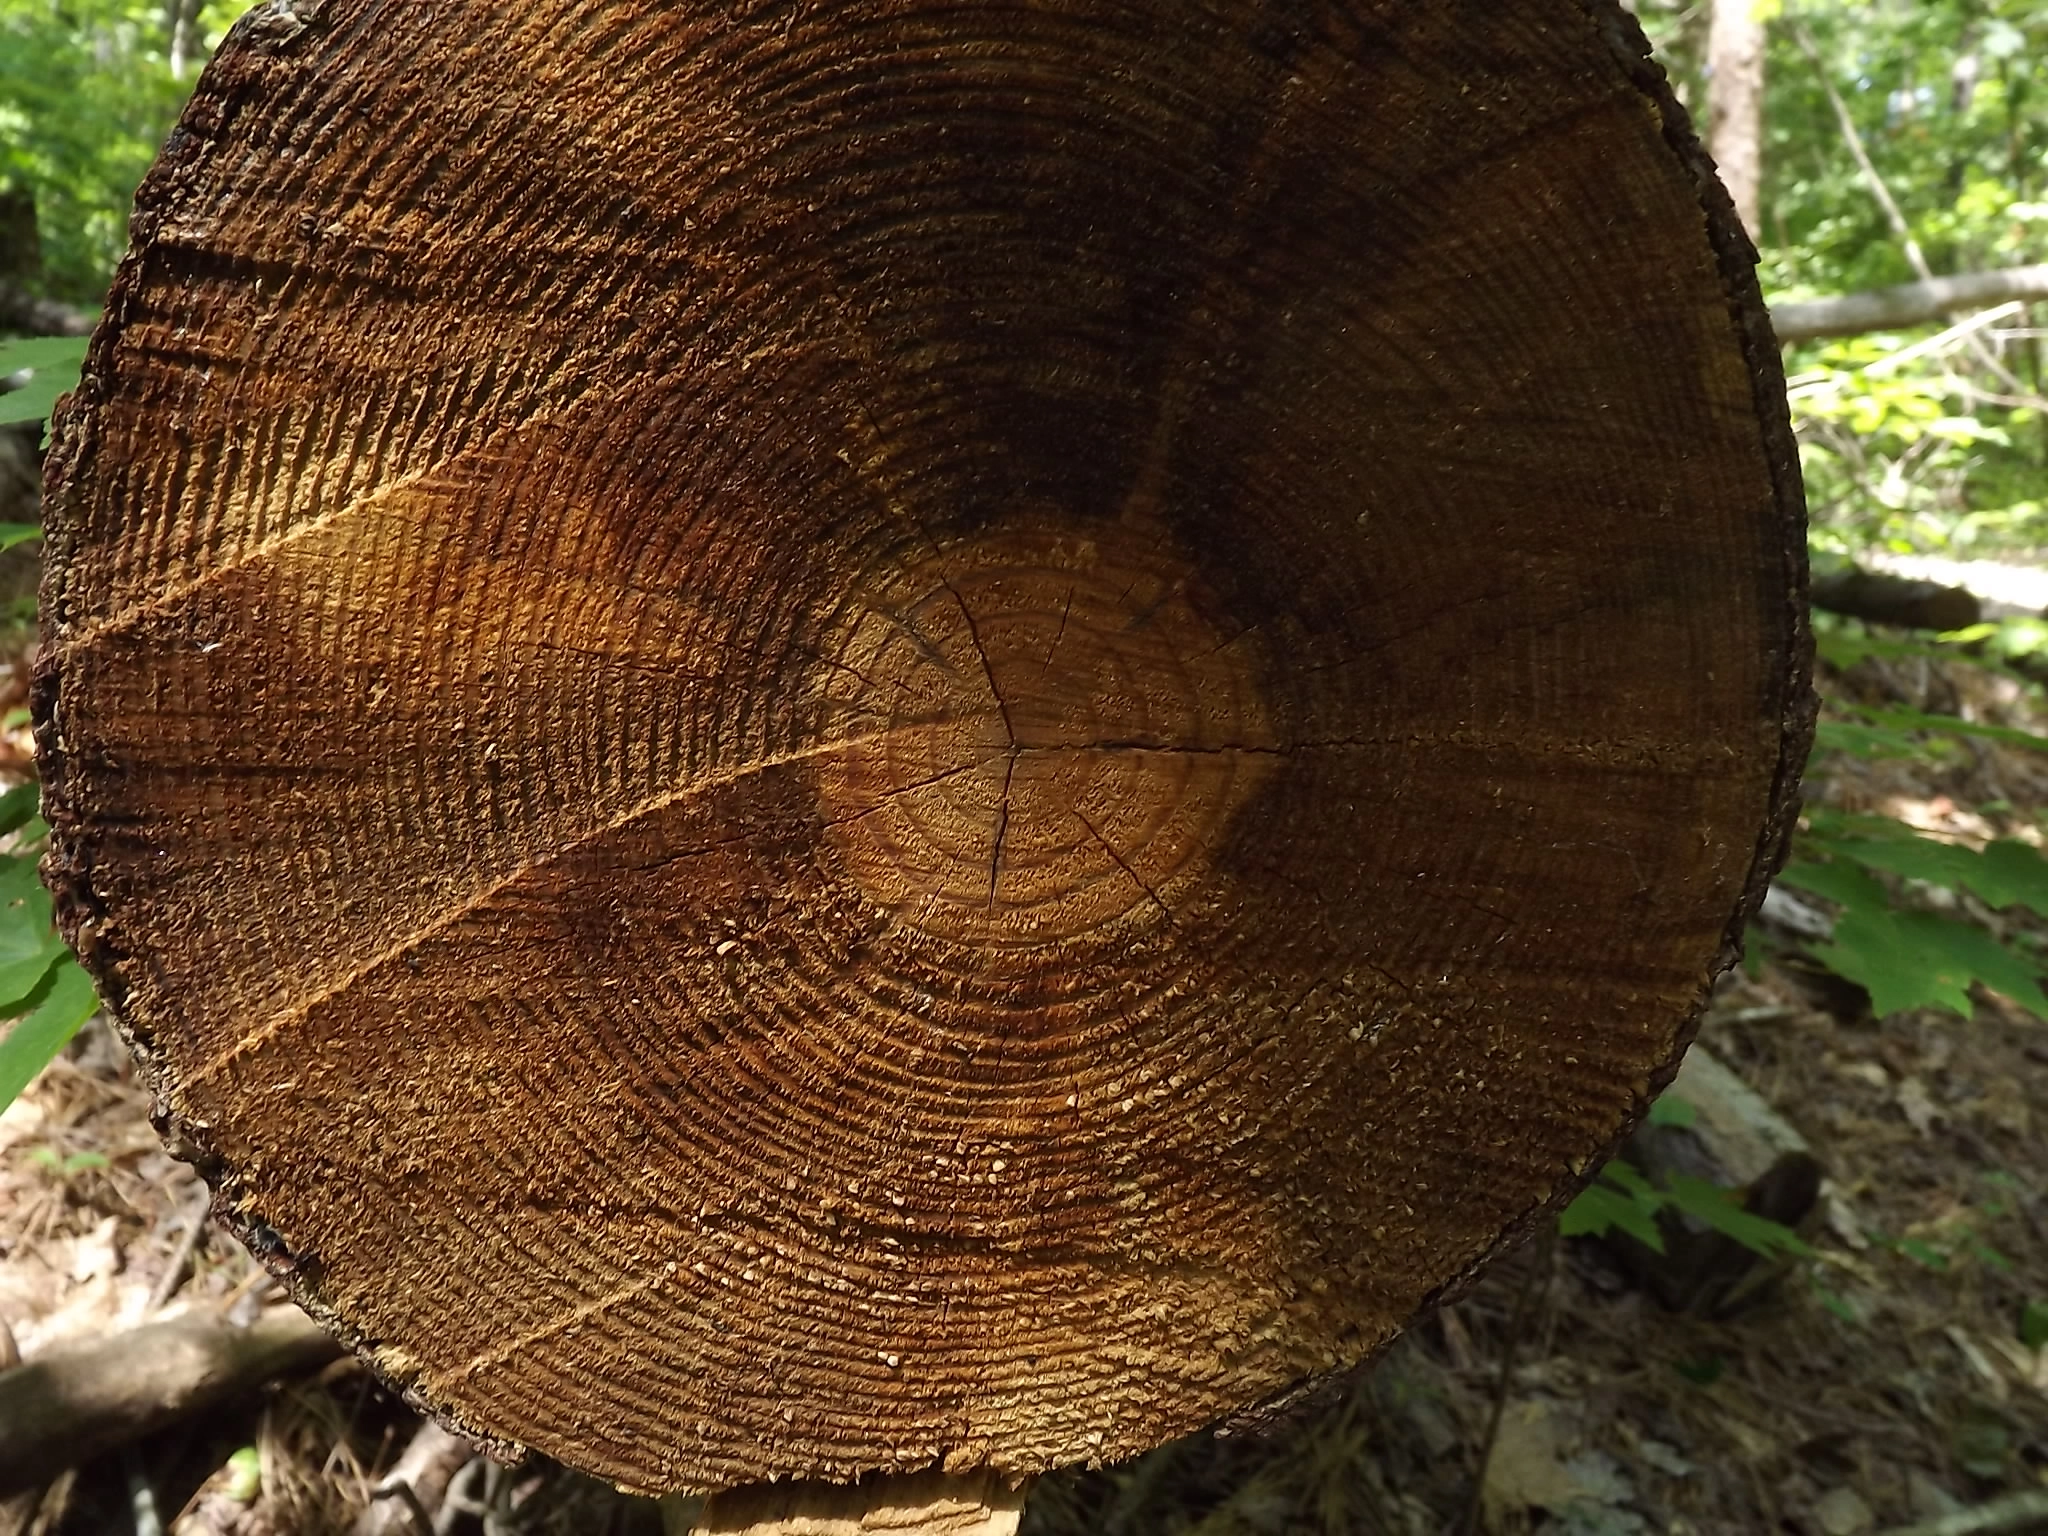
(461, 1498)
(408, 1498)
(181, 1257)
(1535, 1286)
(2014, 1513)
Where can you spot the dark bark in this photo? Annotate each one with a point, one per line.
(1887, 599)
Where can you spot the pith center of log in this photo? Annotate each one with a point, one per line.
(1050, 727)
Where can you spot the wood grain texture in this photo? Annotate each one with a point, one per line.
(928, 1503)
(822, 738)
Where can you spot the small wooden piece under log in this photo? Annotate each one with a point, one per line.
(415, 1488)
(929, 1503)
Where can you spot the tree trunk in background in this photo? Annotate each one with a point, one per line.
(1908, 304)
(182, 17)
(1735, 103)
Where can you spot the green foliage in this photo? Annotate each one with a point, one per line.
(2008, 647)
(1620, 1197)
(1909, 448)
(87, 93)
(1948, 98)
(1671, 1110)
(1905, 444)
(2034, 1325)
(65, 1164)
(42, 368)
(42, 988)
(1909, 958)
(1623, 1198)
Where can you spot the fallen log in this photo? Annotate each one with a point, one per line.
(77, 1401)
(30, 315)
(1882, 598)
(1907, 304)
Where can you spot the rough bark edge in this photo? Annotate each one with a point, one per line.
(1793, 700)
(233, 81)
(240, 77)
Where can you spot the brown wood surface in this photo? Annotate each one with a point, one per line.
(809, 738)
(928, 1503)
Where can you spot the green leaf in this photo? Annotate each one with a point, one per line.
(1916, 858)
(2034, 1325)
(12, 534)
(1836, 1304)
(24, 909)
(2007, 873)
(1623, 1173)
(1838, 882)
(20, 977)
(67, 1001)
(1925, 1254)
(18, 805)
(1722, 1210)
(1921, 960)
(1989, 1256)
(1600, 1208)
(1755, 942)
(1863, 740)
(1900, 719)
(1671, 1110)
(2013, 874)
(52, 364)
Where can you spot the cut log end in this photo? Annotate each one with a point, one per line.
(854, 735)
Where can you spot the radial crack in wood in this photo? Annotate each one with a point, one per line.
(812, 738)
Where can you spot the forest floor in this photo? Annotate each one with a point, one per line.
(1880, 1383)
